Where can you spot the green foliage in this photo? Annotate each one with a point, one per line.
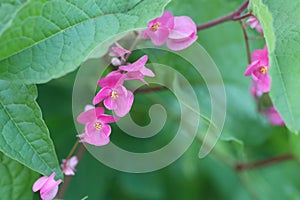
(278, 19)
(47, 39)
(16, 179)
(24, 135)
(42, 40)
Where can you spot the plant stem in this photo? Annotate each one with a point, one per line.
(246, 166)
(150, 89)
(67, 180)
(234, 16)
(246, 38)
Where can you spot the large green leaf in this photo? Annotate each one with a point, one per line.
(47, 39)
(16, 179)
(24, 136)
(281, 29)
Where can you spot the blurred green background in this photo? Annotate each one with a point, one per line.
(246, 137)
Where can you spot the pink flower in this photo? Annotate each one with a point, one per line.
(159, 29)
(116, 98)
(178, 32)
(259, 68)
(137, 70)
(273, 116)
(68, 166)
(254, 23)
(97, 130)
(183, 34)
(47, 185)
(118, 51)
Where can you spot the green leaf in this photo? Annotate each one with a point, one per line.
(47, 39)
(16, 179)
(8, 8)
(24, 136)
(281, 29)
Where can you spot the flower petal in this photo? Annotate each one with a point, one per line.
(102, 94)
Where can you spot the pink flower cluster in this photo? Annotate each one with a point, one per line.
(261, 82)
(178, 32)
(114, 96)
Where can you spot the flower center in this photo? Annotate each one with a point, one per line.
(155, 26)
(263, 70)
(114, 94)
(98, 126)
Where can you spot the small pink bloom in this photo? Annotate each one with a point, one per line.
(259, 68)
(116, 98)
(137, 70)
(115, 61)
(68, 166)
(47, 185)
(159, 28)
(118, 51)
(97, 130)
(273, 116)
(183, 34)
(254, 23)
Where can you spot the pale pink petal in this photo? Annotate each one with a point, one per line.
(184, 27)
(88, 107)
(264, 84)
(106, 130)
(124, 104)
(108, 118)
(96, 139)
(159, 37)
(102, 94)
(112, 79)
(253, 66)
(109, 103)
(180, 44)
(273, 116)
(147, 72)
(136, 66)
(50, 194)
(90, 115)
(38, 184)
(73, 161)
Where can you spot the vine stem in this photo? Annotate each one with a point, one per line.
(246, 38)
(234, 16)
(246, 166)
(67, 180)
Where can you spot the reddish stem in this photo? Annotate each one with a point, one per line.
(67, 180)
(246, 38)
(246, 166)
(234, 16)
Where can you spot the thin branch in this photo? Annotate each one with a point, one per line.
(67, 180)
(150, 89)
(246, 166)
(234, 16)
(246, 38)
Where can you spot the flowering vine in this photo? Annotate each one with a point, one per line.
(178, 33)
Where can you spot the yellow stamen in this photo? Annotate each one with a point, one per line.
(98, 126)
(155, 26)
(263, 70)
(114, 94)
